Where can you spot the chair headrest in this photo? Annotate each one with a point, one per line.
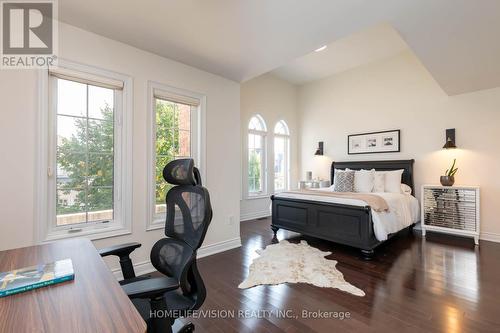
(180, 172)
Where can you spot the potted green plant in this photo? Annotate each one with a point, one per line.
(449, 178)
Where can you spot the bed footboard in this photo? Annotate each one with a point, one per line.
(344, 224)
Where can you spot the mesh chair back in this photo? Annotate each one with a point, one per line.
(189, 211)
(173, 257)
(188, 214)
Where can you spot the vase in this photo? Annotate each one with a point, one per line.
(447, 180)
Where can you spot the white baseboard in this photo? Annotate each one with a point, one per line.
(490, 236)
(212, 249)
(146, 267)
(254, 215)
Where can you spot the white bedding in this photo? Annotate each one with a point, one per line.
(404, 210)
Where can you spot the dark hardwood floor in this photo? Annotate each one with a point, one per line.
(437, 284)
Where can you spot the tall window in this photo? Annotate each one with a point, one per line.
(281, 156)
(86, 154)
(173, 141)
(256, 155)
(175, 135)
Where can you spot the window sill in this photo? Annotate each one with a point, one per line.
(90, 233)
(155, 226)
(258, 196)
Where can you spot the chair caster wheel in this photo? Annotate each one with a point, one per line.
(187, 328)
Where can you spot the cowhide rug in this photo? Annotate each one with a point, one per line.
(295, 263)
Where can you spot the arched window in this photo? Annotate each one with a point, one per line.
(281, 156)
(256, 155)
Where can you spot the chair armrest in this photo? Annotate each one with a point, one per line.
(123, 251)
(150, 288)
(119, 250)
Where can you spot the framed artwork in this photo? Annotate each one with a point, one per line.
(375, 142)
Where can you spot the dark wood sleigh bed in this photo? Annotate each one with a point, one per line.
(339, 223)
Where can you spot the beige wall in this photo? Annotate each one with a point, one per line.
(398, 93)
(18, 107)
(274, 100)
(17, 174)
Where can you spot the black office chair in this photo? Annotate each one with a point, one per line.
(182, 290)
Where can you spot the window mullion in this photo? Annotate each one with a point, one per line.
(263, 176)
(52, 156)
(87, 157)
(287, 162)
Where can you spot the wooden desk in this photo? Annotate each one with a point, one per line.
(93, 302)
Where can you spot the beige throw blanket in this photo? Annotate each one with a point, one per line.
(376, 202)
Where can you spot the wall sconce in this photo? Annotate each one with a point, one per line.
(450, 139)
(319, 150)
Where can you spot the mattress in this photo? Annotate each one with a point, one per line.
(404, 210)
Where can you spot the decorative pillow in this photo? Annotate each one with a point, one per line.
(343, 181)
(393, 181)
(405, 189)
(340, 170)
(363, 180)
(378, 181)
(332, 187)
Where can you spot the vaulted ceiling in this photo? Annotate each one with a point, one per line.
(358, 49)
(457, 40)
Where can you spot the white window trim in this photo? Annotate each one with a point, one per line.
(264, 171)
(198, 146)
(44, 214)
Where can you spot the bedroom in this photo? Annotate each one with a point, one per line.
(359, 88)
(274, 106)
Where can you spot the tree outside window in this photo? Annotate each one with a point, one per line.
(84, 153)
(173, 141)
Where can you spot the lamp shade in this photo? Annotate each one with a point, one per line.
(319, 150)
(450, 139)
(449, 144)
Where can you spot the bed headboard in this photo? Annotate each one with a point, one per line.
(406, 165)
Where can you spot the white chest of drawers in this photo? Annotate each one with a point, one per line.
(452, 210)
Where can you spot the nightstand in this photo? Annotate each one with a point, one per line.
(451, 209)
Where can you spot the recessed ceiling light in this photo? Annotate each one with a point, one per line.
(321, 48)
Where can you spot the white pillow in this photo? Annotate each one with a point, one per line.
(363, 181)
(393, 181)
(405, 189)
(378, 181)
